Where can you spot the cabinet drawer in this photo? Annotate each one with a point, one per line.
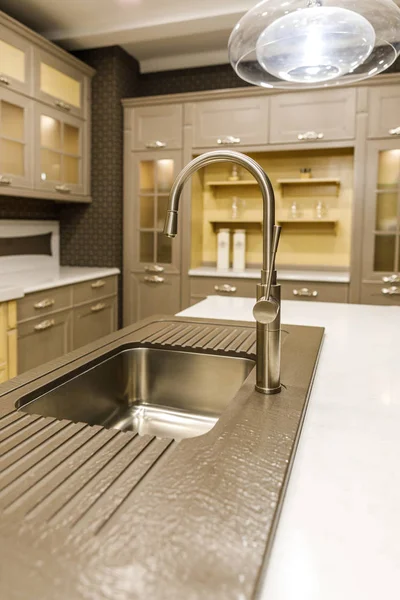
(232, 122)
(384, 112)
(42, 303)
(304, 117)
(215, 286)
(150, 294)
(44, 339)
(157, 127)
(94, 321)
(87, 291)
(386, 294)
(314, 292)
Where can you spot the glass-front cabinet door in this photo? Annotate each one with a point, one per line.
(15, 60)
(154, 175)
(382, 234)
(15, 140)
(59, 152)
(58, 84)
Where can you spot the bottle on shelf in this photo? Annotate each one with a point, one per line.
(321, 210)
(237, 205)
(305, 173)
(295, 211)
(223, 239)
(234, 176)
(239, 250)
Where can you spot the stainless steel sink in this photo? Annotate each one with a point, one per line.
(165, 393)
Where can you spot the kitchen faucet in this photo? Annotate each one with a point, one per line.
(267, 308)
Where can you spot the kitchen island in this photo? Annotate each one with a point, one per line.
(338, 532)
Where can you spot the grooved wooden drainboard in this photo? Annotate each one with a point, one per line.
(129, 516)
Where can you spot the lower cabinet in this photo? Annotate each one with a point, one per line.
(150, 294)
(44, 339)
(94, 321)
(385, 294)
(314, 291)
(8, 340)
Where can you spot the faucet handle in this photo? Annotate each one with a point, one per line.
(274, 248)
(265, 311)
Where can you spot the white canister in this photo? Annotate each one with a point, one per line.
(223, 249)
(239, 250)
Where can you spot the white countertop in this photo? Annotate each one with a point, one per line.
(283, 274)
(26, 283)
(338, 535)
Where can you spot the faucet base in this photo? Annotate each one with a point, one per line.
(268, 391)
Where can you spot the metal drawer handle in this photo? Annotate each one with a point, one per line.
(229, 139)
(391, 279)
(310, 135)
(98, 284)
(5, 180)
(63, 105)
(154, 279)
(225, 288)
(156, 144)
(4, 80)
(391, 291)
(45, 325)
(395, 131)
(44, 303)
(154, 269)
(63, 189)
(98, 307)
(305, 292)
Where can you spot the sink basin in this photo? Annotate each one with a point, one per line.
(164, 393)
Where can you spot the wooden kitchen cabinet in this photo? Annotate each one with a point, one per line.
(230, 122)
(8, 348)
(16, 141)
(313, 116)
(201, 287)
(384, 112)
(43, 339)
(310, 291)
(15, 61)
(93, 321)
(148, 294)
(157, 127)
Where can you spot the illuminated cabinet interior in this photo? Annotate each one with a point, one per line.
(314, 195)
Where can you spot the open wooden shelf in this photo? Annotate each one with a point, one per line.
(240, 182)
(310, 181)
(235, 223)
(322, 224)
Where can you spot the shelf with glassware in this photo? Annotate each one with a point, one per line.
(313, 191)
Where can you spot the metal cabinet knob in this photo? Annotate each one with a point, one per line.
(391, 279)
(305, 292)
(154, 279)
(391, 291)
(228, 140)
(154, 269)
(5, 180)
(98, 307)
(98, 284)
(63, 189)
(4, 80)
(44, 303)
(394, 131)
(156, 144)
(310, 136)
(63, 105)
(225, 288)
(45, 325)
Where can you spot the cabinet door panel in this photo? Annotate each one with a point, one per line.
(145, 296)
(302, 117)
(384, 112)
(94, 321)
(16, 133)
(157, 127)
(15, 61)
(230, 123)
(44, 339)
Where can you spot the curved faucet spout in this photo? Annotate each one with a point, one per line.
(267, 308)
(171, 223)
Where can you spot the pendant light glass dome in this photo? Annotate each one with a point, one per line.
(315, 43)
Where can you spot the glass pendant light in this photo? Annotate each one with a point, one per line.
(315, 43)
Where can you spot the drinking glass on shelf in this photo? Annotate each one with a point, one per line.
(237, 206)
(295, 211)
(321, 210)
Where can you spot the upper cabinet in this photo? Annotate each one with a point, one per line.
(313, 116)
(59, 84)
(384, 112)
(157, 127)
(44, 118)
(231, 122)
(15, 61)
